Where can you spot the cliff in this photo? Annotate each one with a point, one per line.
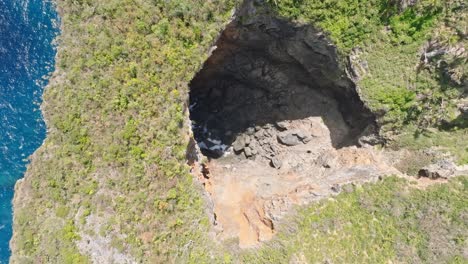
(116, 179)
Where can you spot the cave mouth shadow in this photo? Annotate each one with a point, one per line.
(265, 70)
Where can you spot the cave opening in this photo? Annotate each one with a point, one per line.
(279, 119)
(265, 71)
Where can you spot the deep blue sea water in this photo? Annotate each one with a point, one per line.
(27, 31)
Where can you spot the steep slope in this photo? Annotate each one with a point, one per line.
(112, 171)
(111, 183)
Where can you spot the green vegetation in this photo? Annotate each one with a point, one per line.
(453, 141)
(116, 145)
(117, 140)
(388, 222)
(351, 23)
(410, 92)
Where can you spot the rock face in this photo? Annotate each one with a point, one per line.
(252, 192)
(264, 71)
(271, 106)
(281, 122)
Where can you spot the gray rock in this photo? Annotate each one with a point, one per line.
(239, 144)
(248, 152)
(276, 163)
(369, 137)
(254, 151)
(291, 138)
(274, 149)
(357, 65)
(259, 134)
(305, 137)
(327, 160)
(250, 131)
(247, 140)
(282, 124)
(442, 169)
(270, 132)
(306, 140)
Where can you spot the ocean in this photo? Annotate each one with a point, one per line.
(27, 31)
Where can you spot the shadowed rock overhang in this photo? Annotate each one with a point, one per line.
(279, 119)
(265, 70)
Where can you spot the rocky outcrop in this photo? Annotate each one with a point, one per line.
(277, 168)
(443, 169)
(275, 110)
(447, 60)
(264, 71)
(281, 122)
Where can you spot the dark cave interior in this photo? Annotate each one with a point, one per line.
(265, 70)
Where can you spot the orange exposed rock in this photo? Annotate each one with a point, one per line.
(250, 196)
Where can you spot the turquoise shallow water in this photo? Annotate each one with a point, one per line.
(27, 30)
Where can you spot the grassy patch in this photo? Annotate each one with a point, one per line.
(453, 142)
(377, 223)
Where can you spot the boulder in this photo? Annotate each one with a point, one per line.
(239, 144)
(248, 152)
(247, 140)
(442, 169)
(282, 125)
(293, 138)
(289, 139)
(276, 163)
